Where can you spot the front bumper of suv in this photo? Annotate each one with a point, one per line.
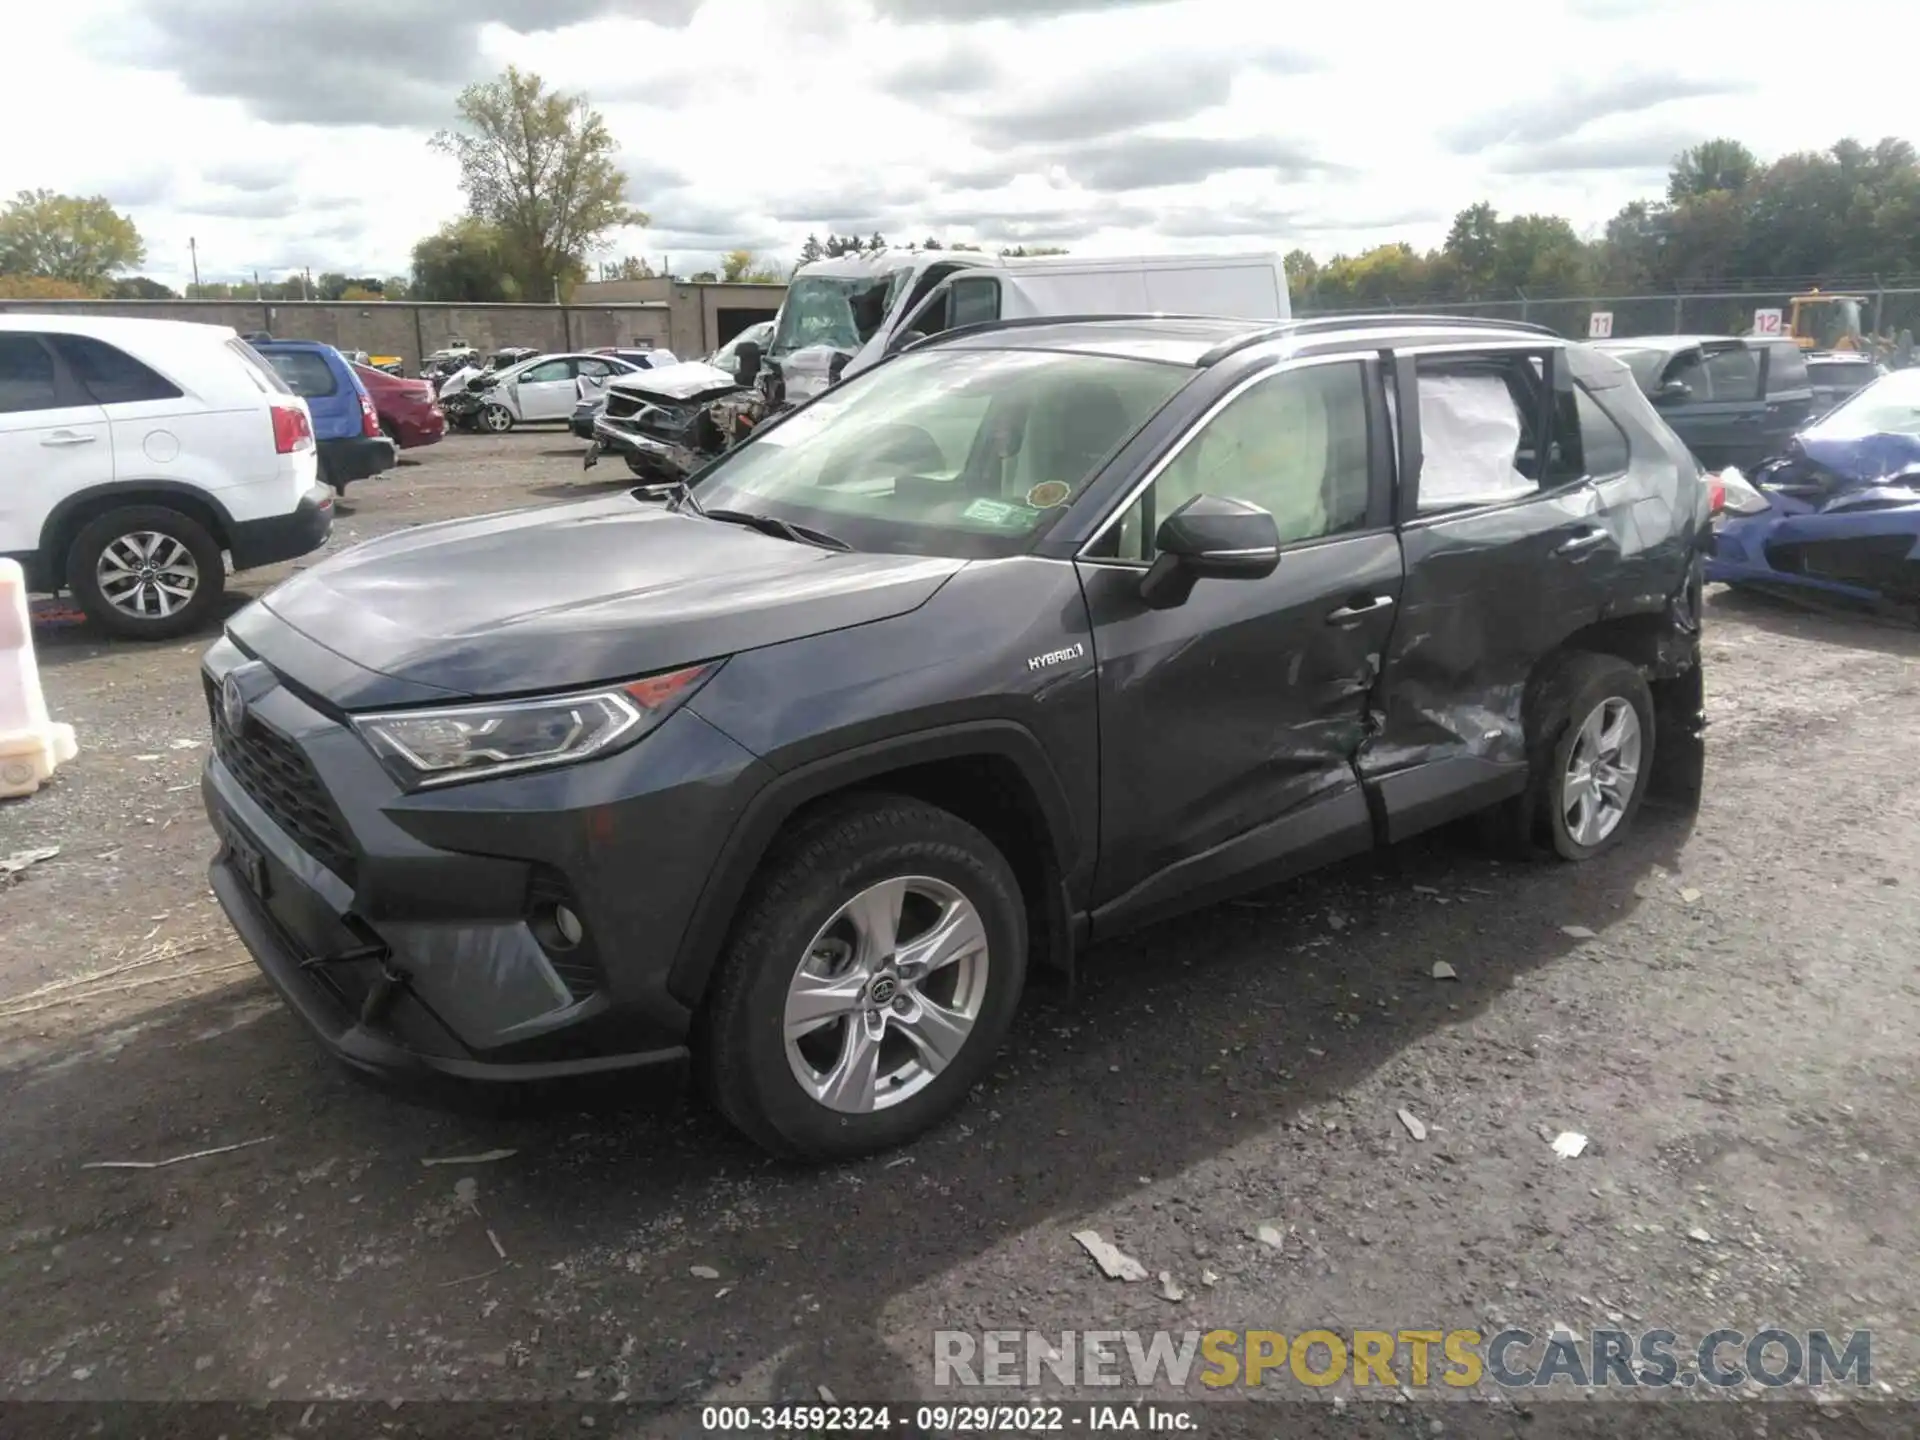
(416, 932)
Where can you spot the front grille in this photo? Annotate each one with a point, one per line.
(276, 774)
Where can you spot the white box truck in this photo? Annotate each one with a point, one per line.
(843, 315)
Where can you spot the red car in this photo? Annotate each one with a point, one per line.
(409, 412)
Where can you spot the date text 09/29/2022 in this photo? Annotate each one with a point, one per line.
(946, 1419)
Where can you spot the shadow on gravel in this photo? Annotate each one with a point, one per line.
(584, 489)
(70, 643)
(1825, 622)
(1183, 1043)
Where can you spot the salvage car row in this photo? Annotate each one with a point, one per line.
(1029, 633)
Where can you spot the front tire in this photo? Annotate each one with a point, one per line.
(868, 983)
(146, 572)
(496, 419)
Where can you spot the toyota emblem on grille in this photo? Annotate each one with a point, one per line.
(233, 702)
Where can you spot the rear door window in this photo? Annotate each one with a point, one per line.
(976, 300)
(1602, 442)
(109, 374)
(258, 370)
(1733, 374)
(1786, 369)
(26, 374)
(1481, 422)
(306, 373)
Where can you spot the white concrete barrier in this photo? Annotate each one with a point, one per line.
(31, 745)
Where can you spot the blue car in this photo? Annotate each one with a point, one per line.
(1839, 512)
(346, 427)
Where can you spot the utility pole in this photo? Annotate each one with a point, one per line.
(193, 250)
(258, 293)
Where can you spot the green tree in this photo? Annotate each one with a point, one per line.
(1472, 250)
(1024, 252)
(1303, 273)
(81, 240)
(139, 287)
(744, 267)
(1709, 166)
(40, 287)
(541, 168)
(463, 260)
(703, 277)
(631, 267)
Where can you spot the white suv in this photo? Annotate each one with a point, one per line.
(138, 456)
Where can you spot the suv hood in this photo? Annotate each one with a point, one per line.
(566, 596)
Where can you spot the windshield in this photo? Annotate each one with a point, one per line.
(1831, 321)
(1889, 406)
(843, 311)
(966, 453)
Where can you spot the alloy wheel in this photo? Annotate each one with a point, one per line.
(886, 995)
(148, 574)
(497, 418)
(1602, 770)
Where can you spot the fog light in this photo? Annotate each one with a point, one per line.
(568, 924)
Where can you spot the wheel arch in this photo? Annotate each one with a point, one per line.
(993, 774)
(67, 518)
(1665, 645)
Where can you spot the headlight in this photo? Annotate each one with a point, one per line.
(469, 742)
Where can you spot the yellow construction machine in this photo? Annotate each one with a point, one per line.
(1818, 321)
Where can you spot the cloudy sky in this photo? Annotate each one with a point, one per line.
(289, 133)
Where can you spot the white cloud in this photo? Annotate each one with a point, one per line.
(282, 136)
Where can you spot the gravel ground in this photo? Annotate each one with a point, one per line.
(1735, 1036)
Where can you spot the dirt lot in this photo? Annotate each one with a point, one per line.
(1736, 1037)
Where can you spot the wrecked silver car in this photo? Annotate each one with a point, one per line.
(667, 423)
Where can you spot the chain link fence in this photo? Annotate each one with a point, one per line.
(1708, 312)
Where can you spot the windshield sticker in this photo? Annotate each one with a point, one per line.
(1001, 514)
(1048, 494)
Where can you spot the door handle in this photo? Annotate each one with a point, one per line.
(67, 437)
(1583, 542)
(1359, 610)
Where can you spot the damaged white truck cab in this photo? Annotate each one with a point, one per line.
(846, 314)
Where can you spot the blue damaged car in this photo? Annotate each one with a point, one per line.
(1839, 511)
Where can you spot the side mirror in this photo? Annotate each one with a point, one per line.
(1209, 538)
(746, 362)
(1673, 392)
(905, 339)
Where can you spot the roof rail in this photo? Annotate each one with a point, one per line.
(1028, 321)
(1386, 319)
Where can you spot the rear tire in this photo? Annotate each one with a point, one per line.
(816, 925)
(146, 572)
(1590, 733)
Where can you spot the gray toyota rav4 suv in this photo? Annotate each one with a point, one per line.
(1032, 634)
